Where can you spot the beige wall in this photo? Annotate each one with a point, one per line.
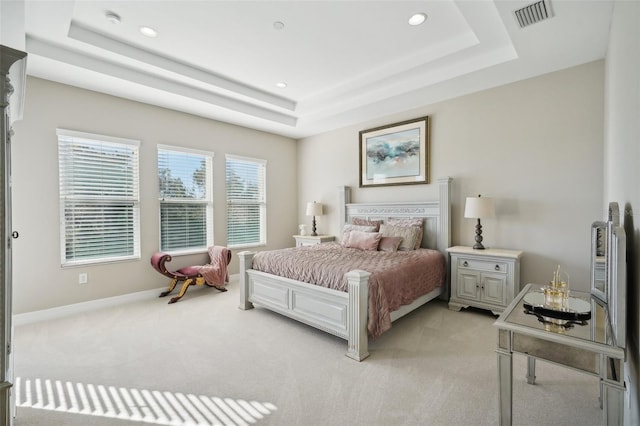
(38, 280)
(536, 146)
(621, 170)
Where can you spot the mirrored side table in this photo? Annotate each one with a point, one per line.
(587, 345)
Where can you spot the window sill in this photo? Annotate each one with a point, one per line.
(247, 246)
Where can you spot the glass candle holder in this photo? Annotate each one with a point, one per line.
(556, 295)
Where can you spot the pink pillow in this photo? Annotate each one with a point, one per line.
(363, 240)
(367, 222)
(389, 244)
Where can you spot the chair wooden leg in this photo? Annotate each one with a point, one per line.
(183, 290)
(201, 281)
(172, 285)
(219, 288)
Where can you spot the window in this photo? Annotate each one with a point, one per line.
(246, 201)
(186, 206)
(99, 200)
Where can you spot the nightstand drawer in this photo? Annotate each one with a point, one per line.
(309, 240)
(482, 265)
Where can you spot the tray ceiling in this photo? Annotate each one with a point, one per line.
(343, 62)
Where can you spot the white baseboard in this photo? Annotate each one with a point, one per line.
(92, 305)
(76, 308)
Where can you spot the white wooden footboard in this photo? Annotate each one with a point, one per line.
(339, 313)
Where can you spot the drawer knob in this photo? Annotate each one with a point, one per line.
(497, 267)
(465, 263)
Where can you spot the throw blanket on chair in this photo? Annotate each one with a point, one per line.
(216, 272)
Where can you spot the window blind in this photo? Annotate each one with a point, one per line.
(186, 207)
(246, 201)
(99, 198)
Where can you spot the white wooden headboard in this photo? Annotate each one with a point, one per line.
(436, 214)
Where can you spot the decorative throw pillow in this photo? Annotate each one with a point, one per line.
(348, 228)
(367, 222)
(390, 244)
(363, 240)
(413, 221)
(409, 235)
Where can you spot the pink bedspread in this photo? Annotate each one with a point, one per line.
(396, 278)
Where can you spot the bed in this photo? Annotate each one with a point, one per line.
(345, 312)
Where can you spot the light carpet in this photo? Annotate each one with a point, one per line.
(204, 361)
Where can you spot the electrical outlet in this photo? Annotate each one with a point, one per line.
(82, 278)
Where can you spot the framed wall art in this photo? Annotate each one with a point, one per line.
(396, 154)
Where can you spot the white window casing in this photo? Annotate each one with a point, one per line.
(186, 199)
(246, 201)
(99, 198)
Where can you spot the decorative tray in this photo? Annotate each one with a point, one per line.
(578, 309)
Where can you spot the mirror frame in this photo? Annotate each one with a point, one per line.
(598, 260)
(614, 293)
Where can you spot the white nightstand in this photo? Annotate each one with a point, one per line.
(308, 240)
(487, 279)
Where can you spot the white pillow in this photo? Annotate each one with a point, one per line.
(413, 221)
(410, 235)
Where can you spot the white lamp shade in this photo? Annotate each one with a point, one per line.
(314, 209)
(479, 208)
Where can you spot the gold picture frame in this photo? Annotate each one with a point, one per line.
(396, 154)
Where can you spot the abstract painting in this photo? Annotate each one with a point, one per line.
(396, 154)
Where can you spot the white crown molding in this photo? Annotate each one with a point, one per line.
(82, 33)
(49, 50)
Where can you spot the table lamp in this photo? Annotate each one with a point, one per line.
(314, 209)
(479, 208)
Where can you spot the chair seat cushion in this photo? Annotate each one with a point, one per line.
(190, 271)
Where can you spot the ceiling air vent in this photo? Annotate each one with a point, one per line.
(535, 12)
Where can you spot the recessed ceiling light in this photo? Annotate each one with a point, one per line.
(112, 17)
(278, 25)
(148, 31)
(281, 85)
(417, 19)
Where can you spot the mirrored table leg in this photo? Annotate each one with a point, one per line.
(531, 370)
(505, 384)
